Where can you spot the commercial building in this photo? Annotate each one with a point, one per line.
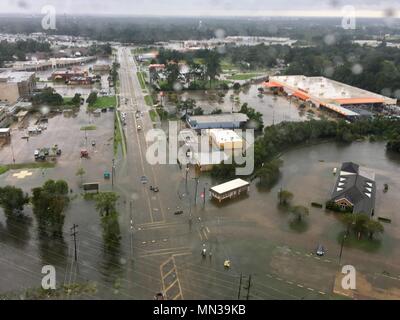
(15, 85)
(230, 190)
(53, 63)
(5, 134)
(226, 139)
(355, 189)
(101, 68)
(217, 121)
(66, 75)
(328, 94)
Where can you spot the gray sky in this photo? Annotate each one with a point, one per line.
(370, 8)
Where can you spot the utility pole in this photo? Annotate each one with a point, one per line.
(131, 216)
(186, 178)
(113, 173)
(248, 288)
(73, 234)
(240, 285)
(195, 193)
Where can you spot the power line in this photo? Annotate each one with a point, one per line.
(73, 234)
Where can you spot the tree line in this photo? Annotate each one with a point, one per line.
(10, 51)
(283, 136)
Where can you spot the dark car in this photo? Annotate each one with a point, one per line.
(154, 189)
(177, 213)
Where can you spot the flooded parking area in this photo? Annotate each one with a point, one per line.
(275, 109)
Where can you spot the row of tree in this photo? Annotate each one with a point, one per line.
(49, 203)
(10, 51)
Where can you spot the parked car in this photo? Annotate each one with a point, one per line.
(154, 189)
(177, 213)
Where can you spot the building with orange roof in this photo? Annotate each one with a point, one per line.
(325, 93)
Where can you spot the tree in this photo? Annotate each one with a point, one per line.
(105, 203)
(198, 111)
(213, 65)
(13, 200)
(49, 97)
(92, 98)
(49, 203)
(76, 100)
(111, 231)
(360, 223)
(373, 227)
(285, 197)
(300, 212)
(172, 73)
(269, 173)
(81, 172)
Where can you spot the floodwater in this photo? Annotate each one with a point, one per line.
(275, 109)
(307, 172)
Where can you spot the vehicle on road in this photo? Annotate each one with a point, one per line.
(84, 153)
(178, 213)
(204, 252)
(320, 251)
(154, 189)
(139, 127)
(143, 179)
(93, 143)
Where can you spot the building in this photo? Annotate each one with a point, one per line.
(5, 116)
(328, 94)
(67, 75)
(225, 139)
(101, 68)
(230, 190)
(5, 134)
(355, 189)
(15, 85)
(217, 121)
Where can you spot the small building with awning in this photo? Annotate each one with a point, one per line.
(230, 189)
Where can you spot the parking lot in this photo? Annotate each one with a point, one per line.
(66, 132)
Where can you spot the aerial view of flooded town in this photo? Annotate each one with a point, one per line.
(228, 152)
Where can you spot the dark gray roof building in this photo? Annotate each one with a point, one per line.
(355, 188)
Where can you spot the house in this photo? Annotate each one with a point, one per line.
(355, 189)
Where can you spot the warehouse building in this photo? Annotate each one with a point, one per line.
(331, 95)
(217, 121)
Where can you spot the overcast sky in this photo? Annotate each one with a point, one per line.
(371, 8)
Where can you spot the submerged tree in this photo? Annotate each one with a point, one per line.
(285, 197)
(300, 212)
(13, 200)
(49, 203)
(106, 206)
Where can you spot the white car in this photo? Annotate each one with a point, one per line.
(139, 127)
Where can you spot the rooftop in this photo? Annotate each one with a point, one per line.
(330, 91)
(225, 117)
(222, 136)
(357, 185)
(229, 186)
(15, 76)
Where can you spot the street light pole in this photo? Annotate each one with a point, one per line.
(195, 193)
(113, 173)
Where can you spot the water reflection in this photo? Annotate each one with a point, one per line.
(16, 231)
